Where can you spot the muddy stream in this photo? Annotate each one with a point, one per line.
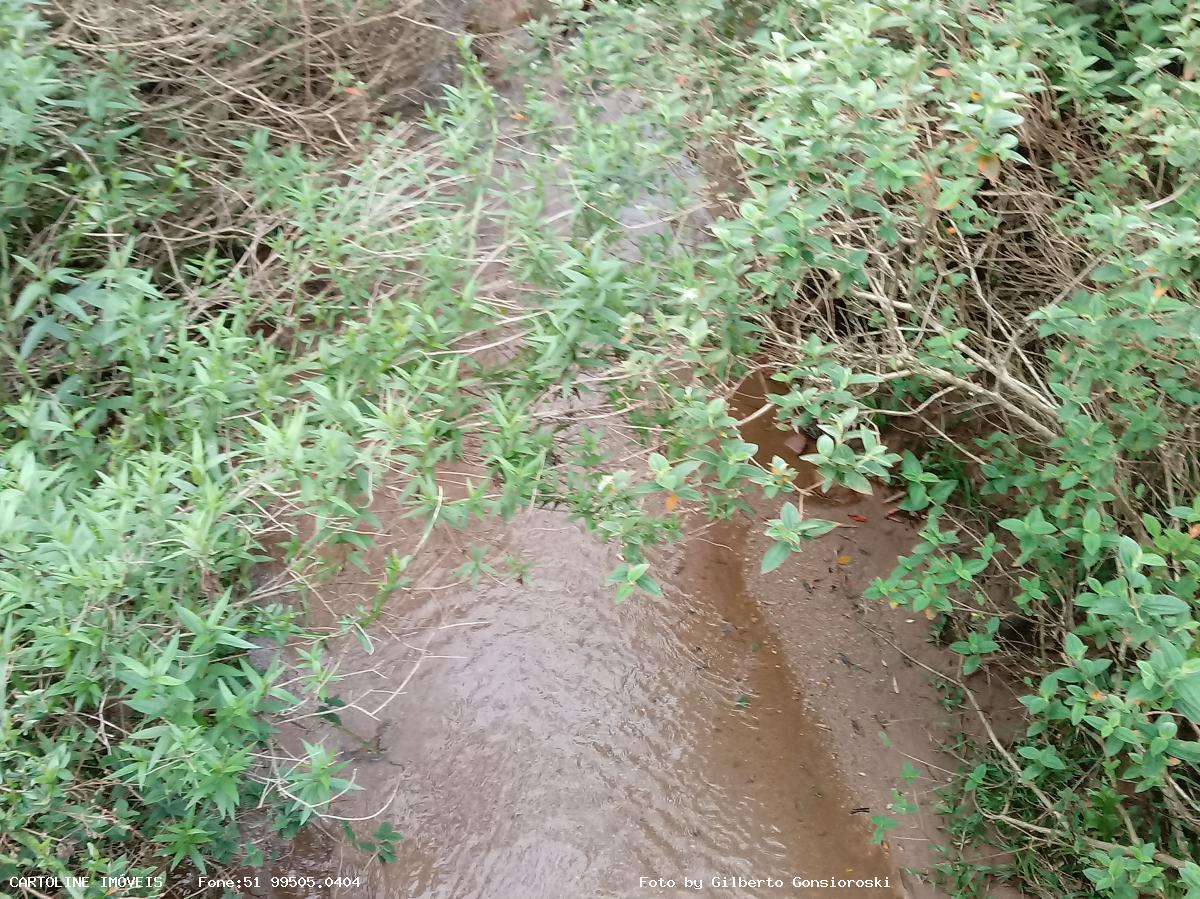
(533, 739)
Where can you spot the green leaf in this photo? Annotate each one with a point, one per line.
(31, 293)
(1163, 604)
(191, 620)
(775, 556)
(790, 516)
(857, 482)
(811, 528)
(1129, 553)
(1187, 697)
(648, 585)
(1073, 647)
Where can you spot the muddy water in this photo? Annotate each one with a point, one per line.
(534, 740)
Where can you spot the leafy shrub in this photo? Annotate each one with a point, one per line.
(976, 220)
(980, 220)
(210, 353)
(141, 440)
(170, 404)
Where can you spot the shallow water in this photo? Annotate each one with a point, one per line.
(550, 743)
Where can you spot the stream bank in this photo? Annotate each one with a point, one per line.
(547, 742)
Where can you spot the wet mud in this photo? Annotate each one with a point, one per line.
(532, 738)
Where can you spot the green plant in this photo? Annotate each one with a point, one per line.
(215, 350)
(979, 221)
(895, 157)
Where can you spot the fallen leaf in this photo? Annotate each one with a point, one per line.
(843, 560)
(989, 166)
(1194, 531)
(930, 613)
(355, 92)
(861, 519)
(941, 72)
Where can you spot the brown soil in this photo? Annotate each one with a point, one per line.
(857, 659)
(537, 740)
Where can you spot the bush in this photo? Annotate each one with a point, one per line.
(977, 222)
(143, 426)
(981, 221)
(218, 343)
(204, 356)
